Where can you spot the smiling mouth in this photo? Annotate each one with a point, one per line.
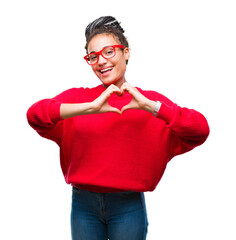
(105, 70)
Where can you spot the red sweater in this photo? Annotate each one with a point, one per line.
(109, 152)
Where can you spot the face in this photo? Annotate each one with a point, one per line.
(116, 66)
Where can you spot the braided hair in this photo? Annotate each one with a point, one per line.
(107, 25)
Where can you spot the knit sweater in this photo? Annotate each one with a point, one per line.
(110, 152)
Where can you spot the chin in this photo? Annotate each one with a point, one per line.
(108, 82)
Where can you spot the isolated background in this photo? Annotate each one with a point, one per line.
(183, 49)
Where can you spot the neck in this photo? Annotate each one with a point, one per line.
(116, 83)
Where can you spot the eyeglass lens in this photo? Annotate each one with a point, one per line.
(107, 53)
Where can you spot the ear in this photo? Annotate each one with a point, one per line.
(126, 53)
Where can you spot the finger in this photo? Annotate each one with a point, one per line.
(106, 95)
(115, 110)
(112, 89)
(128, 106)
(126, 87)
(125, 108)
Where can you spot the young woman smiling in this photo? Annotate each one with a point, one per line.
(115, 140)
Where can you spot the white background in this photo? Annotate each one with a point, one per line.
(183, 49)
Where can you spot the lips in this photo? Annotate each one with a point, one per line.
(105, 70)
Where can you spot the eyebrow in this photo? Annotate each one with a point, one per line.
(100, 50)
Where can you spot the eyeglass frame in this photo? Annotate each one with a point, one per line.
(100, 53)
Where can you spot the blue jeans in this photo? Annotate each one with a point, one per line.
(113, 216)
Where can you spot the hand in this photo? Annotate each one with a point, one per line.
(101, 104)
(138, 100)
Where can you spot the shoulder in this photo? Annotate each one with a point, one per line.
(82, 90)
(79, 94)
(155, 96)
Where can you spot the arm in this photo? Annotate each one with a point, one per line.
(189, 127)
(45, 115)
(99, 105)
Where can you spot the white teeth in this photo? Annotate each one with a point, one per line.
(104, 70)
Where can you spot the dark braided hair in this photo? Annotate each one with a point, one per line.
(108, 25)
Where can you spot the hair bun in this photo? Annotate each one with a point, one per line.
(107, 21)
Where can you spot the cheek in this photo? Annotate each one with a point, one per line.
(93, 68)
(122, 65)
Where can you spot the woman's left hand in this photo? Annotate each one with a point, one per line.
(138, 100)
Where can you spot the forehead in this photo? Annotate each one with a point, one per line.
(100, 41)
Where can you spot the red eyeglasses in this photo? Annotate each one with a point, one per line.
(107, 53)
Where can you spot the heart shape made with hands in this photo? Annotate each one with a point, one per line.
(119, 101)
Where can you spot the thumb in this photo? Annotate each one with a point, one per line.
(127, 107)
(115, 110)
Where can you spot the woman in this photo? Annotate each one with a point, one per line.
(115, 140)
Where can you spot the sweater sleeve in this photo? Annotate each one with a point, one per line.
(44, 115)
(189, 127)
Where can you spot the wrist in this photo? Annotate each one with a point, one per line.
(92, 107)
(150, 106)
(157, 108)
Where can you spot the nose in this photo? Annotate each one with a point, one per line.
(101, 60)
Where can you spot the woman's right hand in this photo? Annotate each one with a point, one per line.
(99, 105)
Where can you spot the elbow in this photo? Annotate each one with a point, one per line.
(205, 130)
(30, 117)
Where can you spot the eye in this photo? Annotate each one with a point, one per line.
(92, 58)
(108, 51)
